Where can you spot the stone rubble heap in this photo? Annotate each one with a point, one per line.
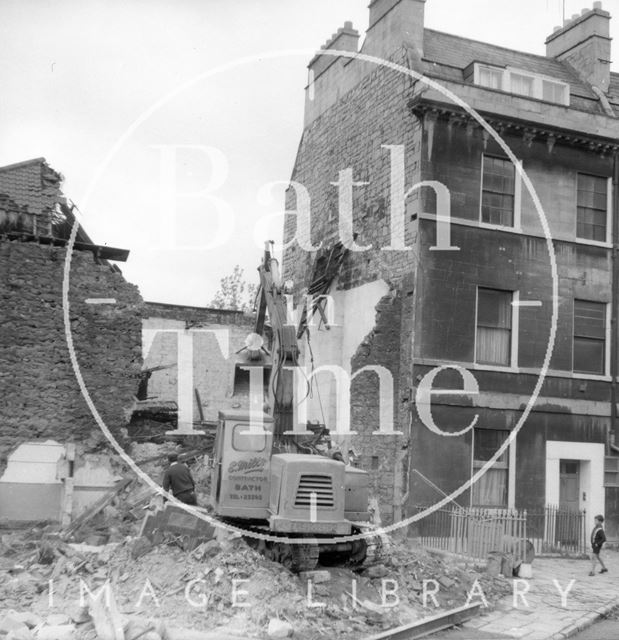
(222, 586)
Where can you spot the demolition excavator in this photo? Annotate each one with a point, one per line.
(267, 476)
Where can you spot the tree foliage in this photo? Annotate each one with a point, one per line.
(234, 292)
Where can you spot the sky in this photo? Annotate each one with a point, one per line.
(167, 118)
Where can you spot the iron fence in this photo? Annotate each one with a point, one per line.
(558, 531)
(477, 532)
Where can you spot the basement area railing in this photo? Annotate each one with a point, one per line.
(477, 532)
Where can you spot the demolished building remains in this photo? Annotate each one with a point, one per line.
(51, 465)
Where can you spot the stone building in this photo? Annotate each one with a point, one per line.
(453, 270)
(42, 408)
(204, 345)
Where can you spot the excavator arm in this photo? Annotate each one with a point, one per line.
(285, 348)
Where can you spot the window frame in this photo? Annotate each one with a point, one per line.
(529, 79)
(500, 465)
(247, 432)
(514, 331)
(497, 72)
(517, 195)
(537, 82)
(606, 346)
(609, 203)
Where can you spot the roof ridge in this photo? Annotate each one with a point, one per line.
(495, 46)
(23, 163)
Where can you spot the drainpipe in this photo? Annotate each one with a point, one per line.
(614, 338)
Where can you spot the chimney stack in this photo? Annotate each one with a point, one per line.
(394, 23)
(584, 42)
(345, 39)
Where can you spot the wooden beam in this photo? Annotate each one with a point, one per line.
(67, 507)
(96, 507)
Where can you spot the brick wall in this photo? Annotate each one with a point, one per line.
(40, 394)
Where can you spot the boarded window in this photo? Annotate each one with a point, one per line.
(494, 327)
(592, 204)
(491, 489)
(589, 337)
(497, 201)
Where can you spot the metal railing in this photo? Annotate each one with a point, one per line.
(473, 532)
(477, 532)
(553, 530)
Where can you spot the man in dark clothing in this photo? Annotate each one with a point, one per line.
(598, 538)
(177, 478)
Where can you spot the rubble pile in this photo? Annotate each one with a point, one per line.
(223, 584)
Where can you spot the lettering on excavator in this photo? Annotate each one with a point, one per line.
(247, 466)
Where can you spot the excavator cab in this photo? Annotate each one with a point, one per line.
(241, 466)
(296, 494)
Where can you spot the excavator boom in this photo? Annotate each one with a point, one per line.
(285, 349)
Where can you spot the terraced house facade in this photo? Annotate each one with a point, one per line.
(507, 301)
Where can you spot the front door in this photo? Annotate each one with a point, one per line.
(569, 487)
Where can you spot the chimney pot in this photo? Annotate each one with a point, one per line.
(566, 22)
(348, 24)
(597, 4)
(555, 29)
(575, 15)
(584, 11)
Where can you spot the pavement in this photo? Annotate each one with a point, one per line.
(542, 612)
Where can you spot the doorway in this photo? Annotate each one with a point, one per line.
(569, 485)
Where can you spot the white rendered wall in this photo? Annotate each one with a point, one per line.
(591, 456)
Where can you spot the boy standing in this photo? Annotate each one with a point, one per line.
(598, 538)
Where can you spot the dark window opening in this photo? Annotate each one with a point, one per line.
(491, 489)
(589, 337)
(494, 327)
(592, 205)
(498, 188)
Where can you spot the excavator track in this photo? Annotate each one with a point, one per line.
(372, 548)
(364, 552)
(295, 557)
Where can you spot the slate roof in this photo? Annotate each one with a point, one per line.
(447, 56)
(27, 189)
(32, 206)
(32, 189)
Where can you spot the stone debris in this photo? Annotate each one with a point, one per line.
(57, 632)
(279, 628)
(22, 633)
(315, 576)
(207, 550)
(9, 622)
(155, 589)
(377, 571)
